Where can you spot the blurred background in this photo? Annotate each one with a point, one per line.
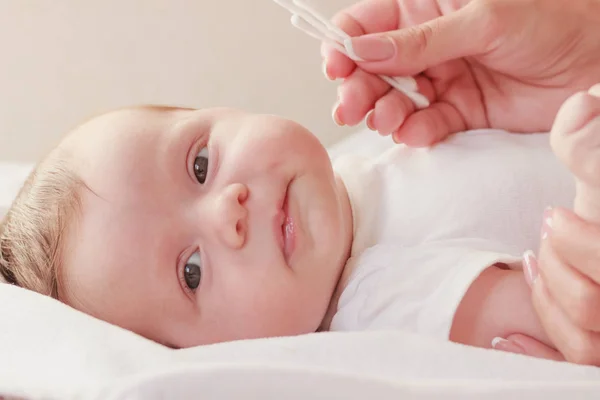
(64, 61)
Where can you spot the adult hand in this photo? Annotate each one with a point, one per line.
(566, 291)
(506, 64)
(566, 281)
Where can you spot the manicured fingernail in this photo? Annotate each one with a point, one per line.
(547, 223)
(370, 48)
(326, 72)
(502, 344)
(335, 114)
(530, 267)
(369, 120)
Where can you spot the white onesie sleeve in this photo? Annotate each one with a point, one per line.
(417, 288)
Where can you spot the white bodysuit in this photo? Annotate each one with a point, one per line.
(427, 222)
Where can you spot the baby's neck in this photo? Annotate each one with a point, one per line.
(342, 273)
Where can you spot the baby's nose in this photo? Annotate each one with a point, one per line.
(232, 215)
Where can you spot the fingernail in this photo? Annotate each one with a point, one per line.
(326, 72)
(530, 267)
(335, 114)
(369, 120)
(595, 90)
(502, 344)
(370, 48)
(547, 223)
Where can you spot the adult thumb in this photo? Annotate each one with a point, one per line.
(412, 50)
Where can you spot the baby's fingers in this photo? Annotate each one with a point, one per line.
(578, 346)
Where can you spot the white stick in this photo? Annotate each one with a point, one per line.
(310, 21)
(324, 20)
(310, 18)
(405, 85)
(311, 31)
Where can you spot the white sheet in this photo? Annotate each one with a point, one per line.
(51, 351)
(48, 350)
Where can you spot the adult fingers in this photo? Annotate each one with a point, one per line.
(534, 348)
(409, 51)
(367, 16)
(357, 96)
(429, 126)
(394, 108)
(522, 344)
(570, 257)
(577, 242)
(389, 112)
(577, 345)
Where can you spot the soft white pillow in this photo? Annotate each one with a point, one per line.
(51, 351)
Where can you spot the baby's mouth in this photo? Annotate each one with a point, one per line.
(286, 227)
(288, 230)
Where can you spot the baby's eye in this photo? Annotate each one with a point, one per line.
(201, 166)
(192, 271)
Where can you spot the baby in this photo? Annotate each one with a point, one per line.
(192, 227)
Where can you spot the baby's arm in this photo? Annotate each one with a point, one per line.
(497, 304)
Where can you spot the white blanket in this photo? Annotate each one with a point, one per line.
(50, 351)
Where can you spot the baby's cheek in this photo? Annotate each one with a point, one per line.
(273, 307)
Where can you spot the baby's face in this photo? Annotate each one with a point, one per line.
(203, 226)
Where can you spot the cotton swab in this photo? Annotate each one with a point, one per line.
(407, 86)
(322, 19)
(307, 19)
(408, 83)
(310, 30)
(311, 19)
(401, 83)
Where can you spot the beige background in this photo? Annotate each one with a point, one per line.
(65, 60)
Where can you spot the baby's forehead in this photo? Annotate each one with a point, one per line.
(114, 128)
(125, 117)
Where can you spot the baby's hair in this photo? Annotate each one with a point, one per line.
(31, 234)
